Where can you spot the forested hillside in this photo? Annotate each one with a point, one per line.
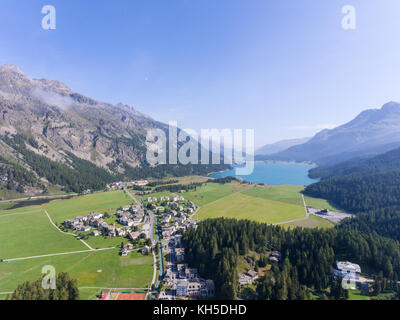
(308, 256)
(368, 187)
(52, 136)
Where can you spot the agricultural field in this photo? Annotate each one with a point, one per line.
(270, 204)
(321, 204)
(242, 206)
(27, 232)
(60, 210)
(356, 295)
(99, 269)
(312, 222)
(284, 193)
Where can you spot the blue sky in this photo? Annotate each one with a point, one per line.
(285, 68)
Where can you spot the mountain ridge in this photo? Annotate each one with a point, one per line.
(372, 132)
(44, 124)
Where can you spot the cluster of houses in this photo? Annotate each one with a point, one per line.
(122, 185)
(128, 216)
(183, 282)
(179, 224)
(172, 205)
(127, 248)
(250, 276)
(174, 199)
(186, 282)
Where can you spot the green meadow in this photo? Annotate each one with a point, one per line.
(61, 210)
(270, 204)
(102, 269)
(312, 222)
(31, 234)
(243, 206)
(27, 231)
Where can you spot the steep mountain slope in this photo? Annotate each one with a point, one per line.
(372, 132)
(70, 140)
(280, 146)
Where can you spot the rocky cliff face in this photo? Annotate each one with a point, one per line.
(59, 120)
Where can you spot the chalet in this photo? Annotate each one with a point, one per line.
(95, 233)
(140, 183)
(124, 253)
(128, 246)
(145, 250)
(121, 232)
(151, 199)
(164, 198)
(84, 228)
(177, 199)
(126, 221)
(134, 235)
(95, 216)
(274, 257)
(191, 204)
(252, 274)
(103, 226)
(125, 208)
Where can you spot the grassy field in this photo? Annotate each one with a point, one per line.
(61, 210)
(30, 234)
(93, 269)
(284, 193)
(356, 295)
(320, 204)
(270, 204)
(242, 206)
(312, 222)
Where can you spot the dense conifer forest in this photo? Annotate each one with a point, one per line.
(308, 255)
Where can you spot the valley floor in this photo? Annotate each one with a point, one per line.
(27, 232)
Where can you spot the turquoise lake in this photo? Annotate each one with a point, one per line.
(274, 173)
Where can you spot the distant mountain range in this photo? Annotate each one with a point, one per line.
(280, 146)
(60, 136)
(372, 132)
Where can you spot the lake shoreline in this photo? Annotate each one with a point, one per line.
(273, 173)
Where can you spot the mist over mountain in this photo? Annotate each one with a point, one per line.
(59, 136)
(372, 132)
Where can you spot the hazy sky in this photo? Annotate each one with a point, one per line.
(286, 68)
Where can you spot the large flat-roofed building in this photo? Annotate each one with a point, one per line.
(347, 269)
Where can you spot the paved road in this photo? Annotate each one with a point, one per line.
(150, 235)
